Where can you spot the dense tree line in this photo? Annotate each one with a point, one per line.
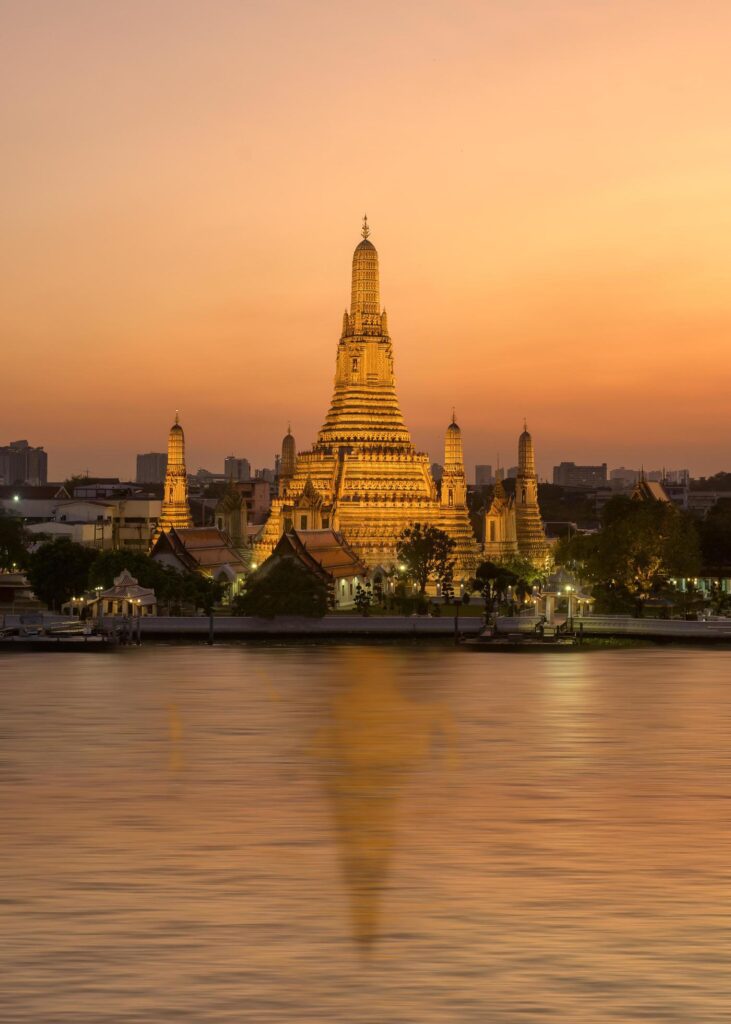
(58, 570)
(639, 549)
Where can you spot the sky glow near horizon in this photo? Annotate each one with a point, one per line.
(548, 187)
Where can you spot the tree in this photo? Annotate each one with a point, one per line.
(426, 553)
(715, 536)
(13, 543)
(363, 598)
(287, 588)
(201, 591)
(58, 570)
(641, 545)
(525, 570)
(494, 581)
(447, 585)
(109, 564)
(75, 480)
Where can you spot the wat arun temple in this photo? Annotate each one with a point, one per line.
(364, 478)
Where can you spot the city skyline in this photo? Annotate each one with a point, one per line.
(551, 247)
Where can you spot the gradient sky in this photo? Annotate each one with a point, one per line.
(549, 189)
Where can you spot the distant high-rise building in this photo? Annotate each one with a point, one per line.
(568, 474)
(512, 472)
(151, 468)
(673, 476)
(237, 469)
(22, 464)
(623, 477)
(677, 476)
(483, 476)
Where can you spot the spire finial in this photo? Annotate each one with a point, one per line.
(289, 426)
(365, 230)
(454, 416)
(177, 418)
(525, 425)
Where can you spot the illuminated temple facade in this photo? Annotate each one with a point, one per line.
(363, 477)
(175, 511)
(513, 525)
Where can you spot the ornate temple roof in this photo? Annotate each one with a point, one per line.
(126, 586)
(324, 552)
(203, 548)
(649, 490)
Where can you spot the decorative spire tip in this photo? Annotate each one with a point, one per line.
(365, 230)
(177, 418)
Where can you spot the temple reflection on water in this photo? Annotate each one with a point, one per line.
(376, 734)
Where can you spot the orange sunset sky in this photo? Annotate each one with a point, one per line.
(548, 186)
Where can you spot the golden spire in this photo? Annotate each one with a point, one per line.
(175, 509)
(365, 230)
(526, 454)
(364, 294)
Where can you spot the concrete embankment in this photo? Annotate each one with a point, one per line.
(284, 625)
(710, 631)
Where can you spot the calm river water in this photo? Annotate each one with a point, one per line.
(365, 834)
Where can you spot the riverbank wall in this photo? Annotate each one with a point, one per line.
(232, 626)
(710, 630)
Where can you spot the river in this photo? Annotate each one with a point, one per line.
(352, 834)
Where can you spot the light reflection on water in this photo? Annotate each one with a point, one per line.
(365, 834)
